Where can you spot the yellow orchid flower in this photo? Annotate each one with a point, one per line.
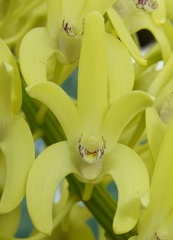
(128, 17)
(156, 220)
(16, 143)
(92, 129)
(60, 40)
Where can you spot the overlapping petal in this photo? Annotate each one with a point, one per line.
(116, 119)
(50, 167)
(18, 149)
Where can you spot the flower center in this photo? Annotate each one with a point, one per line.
(70, 39)
(146, 5)
(91, 150)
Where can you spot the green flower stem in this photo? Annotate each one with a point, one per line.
(101, 204)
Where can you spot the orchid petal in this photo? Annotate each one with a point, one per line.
(120, 81)
(165, 74)
(161, 196)
(121, 112)
(133, 238)
(161, 186)
(97, 5)
(54, 17)
(131, 177)
(155, 130)
(6, 56)
(6, 72)
(92, 84)
(61, 105)
(50, 167)
(159, 16)
(18, 149)
(135, 25)
(37, 47)
(9, 222)
(169, 6)
(125, 36)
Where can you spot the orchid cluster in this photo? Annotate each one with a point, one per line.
(117, 130)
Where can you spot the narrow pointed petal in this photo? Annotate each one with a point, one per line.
(18, 148)
(131, 177)
(54, 17)
(147, 23)
(92, 78)
(125, 36)
(6, 56)
(36, 49)
(155, 130)
(120, 81)
(121, 112)
(61, 105)
(50, 167)
(6, 72)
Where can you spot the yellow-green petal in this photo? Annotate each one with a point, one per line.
(131, 177)
(161, 197)
(36, 49)
(92, 78)
(18, 149)
(125, 36)
(120, 81)
(135, 24)
(121, 112)
(61, 105)
(159, 16)
(9, 222)
(54, 17)
(162, 79)
(49, 168)
(6, 72)
(155, 130)
(6, 56)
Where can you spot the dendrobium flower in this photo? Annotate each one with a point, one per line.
(60, 40)
(16, 143)
(129, 17)
(92, 128)
(156, 220)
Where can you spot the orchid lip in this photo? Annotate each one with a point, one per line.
(91, 150)
(68, 28)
